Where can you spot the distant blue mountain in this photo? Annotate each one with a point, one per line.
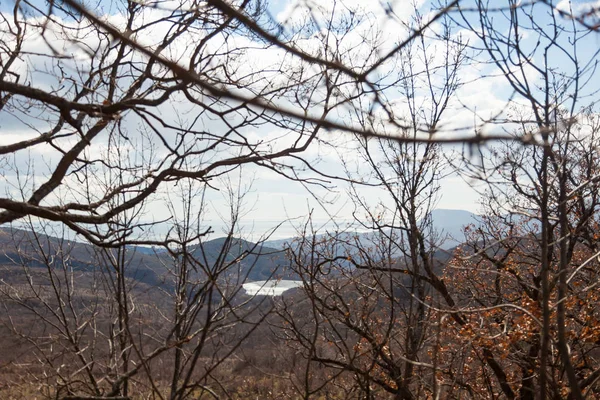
(448, 225)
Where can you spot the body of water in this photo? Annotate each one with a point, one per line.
(270, 288)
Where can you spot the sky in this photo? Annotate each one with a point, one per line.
(270, 198)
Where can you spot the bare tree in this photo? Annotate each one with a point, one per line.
(112, 323)
(530, 256)
(369, 295)
(551, 188)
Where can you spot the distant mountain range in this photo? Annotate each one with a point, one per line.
(146, 265)
(447, 224)
(19, 248)
(151, 266)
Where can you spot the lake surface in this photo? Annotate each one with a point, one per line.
(270, 288)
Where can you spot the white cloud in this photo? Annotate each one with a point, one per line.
(577, 8)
